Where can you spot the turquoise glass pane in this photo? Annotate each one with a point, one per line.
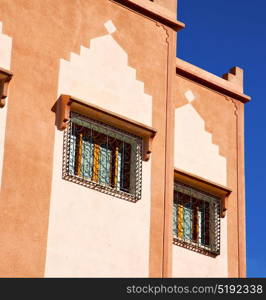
(105, 165)
(87, 157)
(72, 153)
(187, 219)
(175, 219)
(119, 170)
(202, 224)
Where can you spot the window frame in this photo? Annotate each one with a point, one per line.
(213, 220)
(210, 189)
(67, 104)
(136, 143)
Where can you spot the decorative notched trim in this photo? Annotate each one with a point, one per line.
(66, 103)
(207, 186)
(153, 11)
(230, 85)
(5, 77)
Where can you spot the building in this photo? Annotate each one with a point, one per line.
(117, 159)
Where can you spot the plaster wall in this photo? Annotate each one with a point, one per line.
(44, 34)
(198, 151)
(90, 233)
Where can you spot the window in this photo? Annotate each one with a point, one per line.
(5, 77)
(196, 219)
(102, 157)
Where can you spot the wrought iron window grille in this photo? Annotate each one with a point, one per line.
(196, 220)
(102, 158)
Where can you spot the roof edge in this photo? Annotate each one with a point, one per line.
(153, 11)
(222, 85)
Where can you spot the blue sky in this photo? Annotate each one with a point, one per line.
(219, 35)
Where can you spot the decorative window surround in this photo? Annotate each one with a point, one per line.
(196, 220)
(66, 103)
(207, 186)
(5, 77)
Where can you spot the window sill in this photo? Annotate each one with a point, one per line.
(5, 77)
(195, 248)
(66, 103)
(207, 186)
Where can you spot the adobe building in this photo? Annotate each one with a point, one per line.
(117, 159)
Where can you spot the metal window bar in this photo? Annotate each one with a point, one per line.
(196, 219)
(102, 157)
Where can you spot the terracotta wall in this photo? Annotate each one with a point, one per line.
(43, 33)
(169, 4)
(213, 117)
(51, 41)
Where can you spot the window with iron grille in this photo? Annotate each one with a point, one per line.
(102, 157)
(196, 220)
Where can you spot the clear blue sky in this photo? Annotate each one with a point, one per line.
(220, 34)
